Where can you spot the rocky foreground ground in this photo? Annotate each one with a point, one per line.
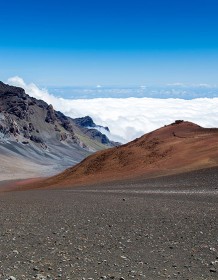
(162, 228)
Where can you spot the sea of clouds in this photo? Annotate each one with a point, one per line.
(128, 118)
(178, 90)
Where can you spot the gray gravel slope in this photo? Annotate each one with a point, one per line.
(110, 233)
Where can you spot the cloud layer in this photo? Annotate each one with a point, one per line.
(129, 118)
(177, 90)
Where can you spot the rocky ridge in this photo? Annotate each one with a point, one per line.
(94, 131)
(22, 115)
(32, 129)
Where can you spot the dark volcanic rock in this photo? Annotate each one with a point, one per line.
(63, 136)
(36, 139)
(13, 100)
(14, 129)
(88, 123)
(95, 134)
(31, 127)
(92, 130)
(85, 122)
(11, 90)
(50, 118)
(67, 125)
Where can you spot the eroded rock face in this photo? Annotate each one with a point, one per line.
(19, 109)
(50, 118)
(40, 140)
(36, 139)
(14, 128)
(92, 130)
(63, 136)
(85, 122)
(14, 101)
(6, 89)
(95, 134)
(88, 123)
(26, 116)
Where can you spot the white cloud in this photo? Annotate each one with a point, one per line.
(177, 84)
(129, 118)
(33, 90)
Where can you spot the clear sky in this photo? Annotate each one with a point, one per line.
(109, 42)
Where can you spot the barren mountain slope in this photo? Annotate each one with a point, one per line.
(176, 148)
(36, 140)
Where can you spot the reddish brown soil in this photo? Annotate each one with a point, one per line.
(10, 185)
(172, 149)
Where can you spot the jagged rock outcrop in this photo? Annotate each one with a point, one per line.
(50, 118)
(95, 134)
(88, 123)
(94, 131)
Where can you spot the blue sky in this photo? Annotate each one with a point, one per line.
(81, 43)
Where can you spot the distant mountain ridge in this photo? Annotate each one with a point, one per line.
(31, 129)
